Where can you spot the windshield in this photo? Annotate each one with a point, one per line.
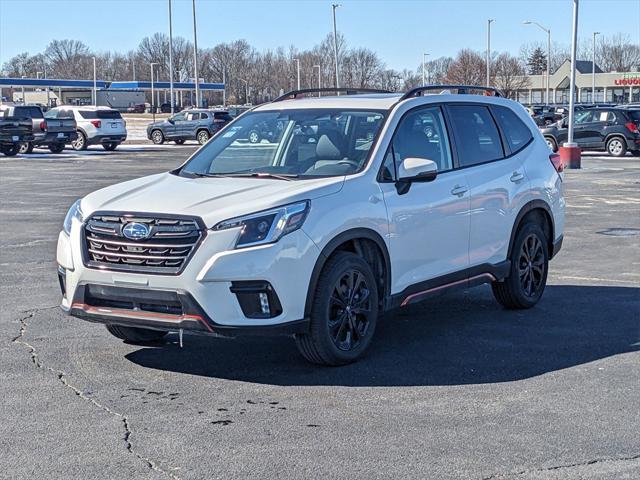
(290, 143)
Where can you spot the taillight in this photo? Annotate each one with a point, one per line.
(632, 127)
(96, 123)
(43, 125)
(557, 162)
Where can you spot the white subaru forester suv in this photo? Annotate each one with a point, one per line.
(359, 204)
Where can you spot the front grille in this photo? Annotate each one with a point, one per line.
(167, 249)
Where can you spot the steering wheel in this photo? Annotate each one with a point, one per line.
(349, 162)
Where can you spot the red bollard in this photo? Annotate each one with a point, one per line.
(570, 155)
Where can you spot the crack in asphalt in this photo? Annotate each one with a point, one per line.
(128, 432)
(561, 467)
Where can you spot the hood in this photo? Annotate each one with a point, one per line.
(212, 199)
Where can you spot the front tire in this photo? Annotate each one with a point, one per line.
(527, 278)
(135, 335)
(110, 147)
(203, 137)
(80, 143)
(10, 150)
(343, 314)
(56, 147)
(617, 147)
(25, 148)
(253, 137)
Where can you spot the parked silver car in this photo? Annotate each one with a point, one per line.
(195, 124)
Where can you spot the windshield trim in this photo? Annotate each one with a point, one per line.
(385, 118)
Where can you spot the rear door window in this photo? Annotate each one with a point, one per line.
(516, 132)
(476, 134)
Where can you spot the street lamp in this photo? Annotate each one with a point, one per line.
(95, 89)
(424, 68)
(489, 22)
(528, 22)
(195, 55)
(153, 107)
(171, 59)
(319, 78)
(246, 91)
(297, 60)
(335, 42)
(593, 69)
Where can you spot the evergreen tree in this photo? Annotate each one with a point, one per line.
(537, 62)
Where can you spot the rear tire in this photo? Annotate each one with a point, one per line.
(343, 314)
(80, 143)
(553, 146)
(10, 150)
(253, 137)
(157, 137)
(135, 335)
(56, 147)
(635, 153)
(25, 148)
(617, 147)
(527, 278)
(110, 147)
(203, 137)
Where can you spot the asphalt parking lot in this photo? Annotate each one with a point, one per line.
(454, 388)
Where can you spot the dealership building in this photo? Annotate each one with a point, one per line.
(611, 87)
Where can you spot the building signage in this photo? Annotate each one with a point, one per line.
(628, 79)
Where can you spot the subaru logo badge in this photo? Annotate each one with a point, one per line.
(136, 231)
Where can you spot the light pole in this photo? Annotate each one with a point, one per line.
(489, 22)
(23, 76)
(171, 59)
(246, 91)
(593, 69)
(335, 43)
(528, 22)
(195, 54)
(153, 107)
(45, 76)
(424, 68)
(224, 84)
(319, 78)
(297, 60)
(133, 67)
(95, 89)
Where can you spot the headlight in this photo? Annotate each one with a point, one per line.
(268, 226)
(74, 212)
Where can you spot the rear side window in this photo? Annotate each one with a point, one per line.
(476, 134)
(222, 116)
(634, 115)
(29, 112)
(516, 132)
(99, 114)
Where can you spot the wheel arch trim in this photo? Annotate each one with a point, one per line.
(527, 208)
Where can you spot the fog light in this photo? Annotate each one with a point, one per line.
(264, 303)
(257, 299)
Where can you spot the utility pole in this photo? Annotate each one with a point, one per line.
(153, 107)
(297, 60)
(489, 22)
(195, 55)
(335, 43)
(548, 54)
(319, 79)
(171, 60)
(95, 89)
(593, 69)
(424, 68)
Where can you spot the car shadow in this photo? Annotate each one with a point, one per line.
(458, 339)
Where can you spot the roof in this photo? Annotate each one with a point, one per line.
(582, 66)
(165, 85)
(374, 101)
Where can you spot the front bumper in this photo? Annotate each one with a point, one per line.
(201, 298)
(10, 139)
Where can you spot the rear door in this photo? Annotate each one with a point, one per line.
(494, 169)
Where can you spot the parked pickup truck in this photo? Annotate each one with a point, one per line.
(14, 130)
(50, 131)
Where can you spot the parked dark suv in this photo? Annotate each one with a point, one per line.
(195, 124)
(612, 129)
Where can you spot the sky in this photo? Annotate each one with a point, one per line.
(398, 30)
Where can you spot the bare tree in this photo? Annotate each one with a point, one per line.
(468, 68)
(509, 75)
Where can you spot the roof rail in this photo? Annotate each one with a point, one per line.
(349, 91)
(461, 89)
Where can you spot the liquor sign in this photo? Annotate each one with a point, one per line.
(628, 79)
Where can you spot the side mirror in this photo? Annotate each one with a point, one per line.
(171, 120)
(564, 123)
(415, 169)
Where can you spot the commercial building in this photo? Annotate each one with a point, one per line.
(611, 87)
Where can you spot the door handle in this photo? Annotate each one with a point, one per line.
(459, 190)
(516, 177)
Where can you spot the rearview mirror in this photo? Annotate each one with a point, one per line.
(413, 169)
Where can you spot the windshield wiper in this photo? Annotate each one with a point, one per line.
(287, 177)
